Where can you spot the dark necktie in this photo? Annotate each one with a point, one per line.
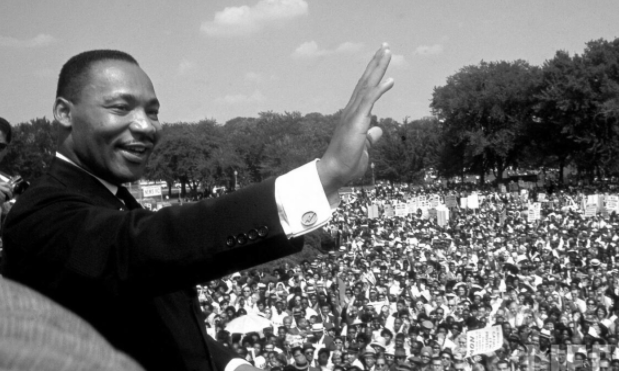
(127, 198)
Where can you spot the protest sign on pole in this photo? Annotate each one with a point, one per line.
(591, 210)
(442, 215)
(373, 211)
(389, 211)
(612, 203)
(484, 340)
(473, 201)
(534, 212)
(464, 202)
(400, 209)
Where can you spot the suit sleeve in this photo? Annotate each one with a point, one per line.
(142, 252)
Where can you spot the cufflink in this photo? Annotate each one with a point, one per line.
(252, 234)
(309, 218)
(230, 241)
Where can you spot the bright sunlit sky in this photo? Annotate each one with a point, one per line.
(226, 58)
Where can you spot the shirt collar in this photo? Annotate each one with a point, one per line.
(109, 186)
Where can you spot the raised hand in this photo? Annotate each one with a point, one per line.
(346, 157)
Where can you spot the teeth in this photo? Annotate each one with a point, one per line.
(136, 150)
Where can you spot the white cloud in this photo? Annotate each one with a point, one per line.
(253, 77)
(185, 66)
(244, 20)
(398, 60)
(310, 49)
(429, 49)
(232, 99)
(37, 41)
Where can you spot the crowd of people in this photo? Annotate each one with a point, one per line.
(402, 292)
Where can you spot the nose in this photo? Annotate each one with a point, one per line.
(141, 123)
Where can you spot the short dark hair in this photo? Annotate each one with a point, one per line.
(73, 73)
(5, 127)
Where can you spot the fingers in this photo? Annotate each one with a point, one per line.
(373, 73)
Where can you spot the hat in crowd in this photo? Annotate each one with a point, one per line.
(307, 346)
(594, 263)
(369, 351)
(427, 325)
(381, 342)
(317, 327)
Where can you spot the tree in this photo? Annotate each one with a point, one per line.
(485, 110)
(578, 108)
(32, 149)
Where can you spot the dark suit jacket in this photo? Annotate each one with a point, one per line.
(132, 273)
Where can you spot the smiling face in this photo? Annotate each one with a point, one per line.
(113, 125)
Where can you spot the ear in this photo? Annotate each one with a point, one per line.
(62, 112)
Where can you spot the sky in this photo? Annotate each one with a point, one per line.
(221, 59)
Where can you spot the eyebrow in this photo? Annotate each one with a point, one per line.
(129, 98)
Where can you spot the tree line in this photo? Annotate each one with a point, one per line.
(486, 118)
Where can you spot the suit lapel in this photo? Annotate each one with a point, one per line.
(83, 183)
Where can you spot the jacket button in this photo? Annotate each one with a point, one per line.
(241, 239)
(230, 241)
(263, 231)
(252, 234)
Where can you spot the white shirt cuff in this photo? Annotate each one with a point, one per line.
(234, 363)
(301, 201)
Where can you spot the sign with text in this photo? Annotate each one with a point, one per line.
(484, 340)
(534, 212)
(373, 211)
(400, 209)
(151, 191)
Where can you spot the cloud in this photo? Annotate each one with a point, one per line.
(245, 20)
(233, 99)
(35, 42)
(185, 66)
(429, 49)
(310, 49)
(398, 60)
(253, 77)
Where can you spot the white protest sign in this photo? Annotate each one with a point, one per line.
(150, 191)
(400, 209)
(373, 211)
(592, 199)
(612, 204)
(389, 211)
(473, 201)
(591, 210)
(442, 215)
(534, 212)
(541, 197)
(464, 202)
(484, 340)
